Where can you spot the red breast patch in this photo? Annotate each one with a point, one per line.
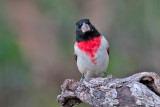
(90, 47)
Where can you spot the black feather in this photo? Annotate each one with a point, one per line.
(80, 36)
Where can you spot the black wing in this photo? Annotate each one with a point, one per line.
(108, 51)
(75, 57)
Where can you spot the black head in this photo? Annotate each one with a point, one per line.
(85, 30)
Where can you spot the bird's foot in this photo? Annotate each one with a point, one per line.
(84, 77)
(106, 75)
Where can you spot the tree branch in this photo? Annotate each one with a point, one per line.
(141, 89)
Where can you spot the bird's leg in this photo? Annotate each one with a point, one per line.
(84, 77)
(106, 74)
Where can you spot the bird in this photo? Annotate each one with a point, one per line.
(91, 50)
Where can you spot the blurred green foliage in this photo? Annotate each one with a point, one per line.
(65, 14)
(13, 70)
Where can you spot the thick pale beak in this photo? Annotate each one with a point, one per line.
(85, 28)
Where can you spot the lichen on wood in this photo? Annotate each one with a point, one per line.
(138, 90)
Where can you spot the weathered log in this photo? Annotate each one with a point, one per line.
(138, 90)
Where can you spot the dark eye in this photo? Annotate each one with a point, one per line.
(79, 26)
(88, 23)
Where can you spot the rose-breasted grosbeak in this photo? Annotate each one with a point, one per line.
(91, 50)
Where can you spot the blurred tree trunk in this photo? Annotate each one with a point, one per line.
(101, 13)
(152, 27)
(37, 37)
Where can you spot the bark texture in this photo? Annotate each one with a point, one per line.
(138, 90)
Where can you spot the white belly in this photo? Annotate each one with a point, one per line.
(87, 67)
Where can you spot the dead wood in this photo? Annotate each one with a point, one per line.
(138, 90)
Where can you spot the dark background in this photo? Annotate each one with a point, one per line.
(37, 38)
